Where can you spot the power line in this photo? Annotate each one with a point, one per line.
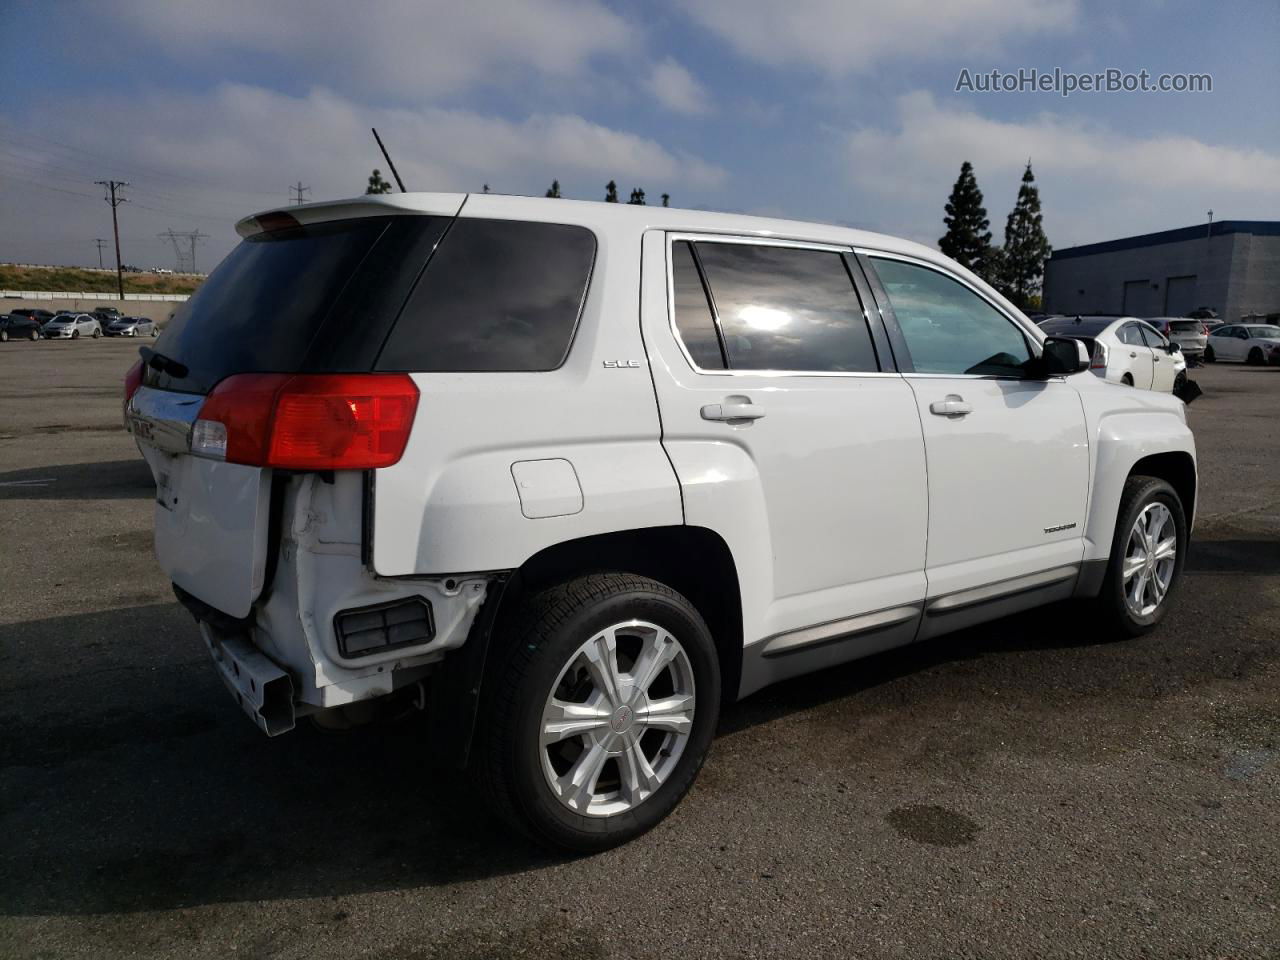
(299, 190)
(101, 243)
(184, 247)
(112, 186)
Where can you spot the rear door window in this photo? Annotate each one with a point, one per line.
(498, 295)
(694, 320)
(786, 308)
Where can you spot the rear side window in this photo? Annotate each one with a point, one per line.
(259, 311)
(499, 295)
(786, 308)
(694, 320)
(1131, 335)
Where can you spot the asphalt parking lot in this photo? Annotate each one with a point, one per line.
(1029, 788)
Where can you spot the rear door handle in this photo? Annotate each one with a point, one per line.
(732, 410)
(953, 406)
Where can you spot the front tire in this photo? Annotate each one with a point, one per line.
(75, 334)
(1147, 554)
(35, 335)
(603, 698)
(1255, 357)
(4, 336)
(1208, 355)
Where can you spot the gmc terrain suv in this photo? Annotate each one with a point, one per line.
(571, 475)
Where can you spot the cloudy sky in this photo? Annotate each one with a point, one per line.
(834, 110)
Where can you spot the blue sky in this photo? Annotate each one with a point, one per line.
(815, 109)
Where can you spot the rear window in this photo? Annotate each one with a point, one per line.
(259, 311)
(1077, 328)
(499, 295)
(1185, 326)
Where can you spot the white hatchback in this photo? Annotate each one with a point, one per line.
(1126, 350)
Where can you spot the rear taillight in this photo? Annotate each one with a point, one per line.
(1098, 361)
(132, 381)
(1204, 330)
(335, 421)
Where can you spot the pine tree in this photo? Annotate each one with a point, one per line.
(486, 188)
(554, 190)
(666, 199)
(967, 240)
(1025, 246)
(637, 197)
(377, 184)
(611, 192)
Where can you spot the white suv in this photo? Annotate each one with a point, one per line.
(572, 475)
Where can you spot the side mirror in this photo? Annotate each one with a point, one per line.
(1063, 356)
(1174, 348)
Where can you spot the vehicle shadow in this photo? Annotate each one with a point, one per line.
(1257, 557)
(109, 480)
(130, 782)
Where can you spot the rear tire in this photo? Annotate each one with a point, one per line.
(629, 666)
(1135, 603)
(97, 334)
(1255, 357)
(1208, 355)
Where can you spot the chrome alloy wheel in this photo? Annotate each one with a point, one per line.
(1149, 559)
(617, 719)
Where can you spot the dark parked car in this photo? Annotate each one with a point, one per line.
(20, 325)
(132, 327)
(106, 314)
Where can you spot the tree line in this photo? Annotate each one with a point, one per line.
(378, 185)
(1016, 268)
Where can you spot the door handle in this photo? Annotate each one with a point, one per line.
(734, 409)
(953, 406)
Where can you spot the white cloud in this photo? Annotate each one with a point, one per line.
(409, 50)
(677, 89)
(1095, 183)
(838, 36)
(205, 160)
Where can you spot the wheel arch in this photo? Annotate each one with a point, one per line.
(695, 561)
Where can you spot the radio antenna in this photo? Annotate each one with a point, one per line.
(394, 173)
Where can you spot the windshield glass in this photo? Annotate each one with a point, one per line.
(1264, 333)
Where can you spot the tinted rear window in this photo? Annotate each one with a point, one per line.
(1185, 326)
(259, 311)
(498, 295)
(786, 308)
(1074, 328)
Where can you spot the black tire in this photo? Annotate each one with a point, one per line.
(1139, 492)
(1179, 382)
(1255, 357)
(97, 334)
(75, 334)
(1208, 355)
(541, 638)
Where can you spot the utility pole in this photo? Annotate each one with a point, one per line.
(299, 190)
(196, 237)
(112, 186)
(101, 243)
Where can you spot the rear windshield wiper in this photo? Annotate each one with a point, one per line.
(158, 361)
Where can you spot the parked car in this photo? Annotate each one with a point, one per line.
(1255, 343)
(132, 327)
(1189, 335)
(33, 313)
(72, 326)
(1126, 350)
(575, 530)
(19, 325)
(106, 314)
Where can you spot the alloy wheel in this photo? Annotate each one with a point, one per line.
(1150, 557)
(617, 719)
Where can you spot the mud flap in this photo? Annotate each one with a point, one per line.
(1188, 391)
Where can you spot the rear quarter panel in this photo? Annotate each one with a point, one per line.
(451, 504)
